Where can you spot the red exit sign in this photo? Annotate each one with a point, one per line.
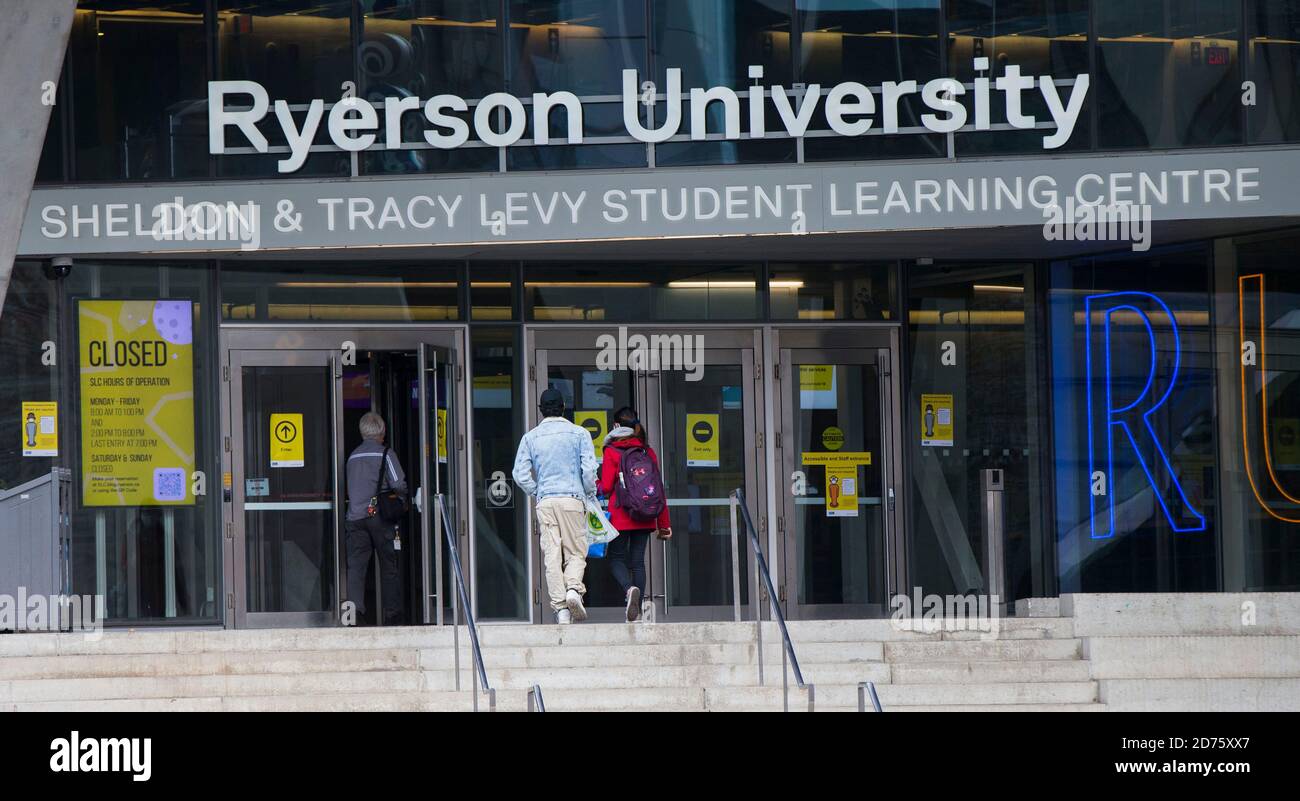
(1216, 56)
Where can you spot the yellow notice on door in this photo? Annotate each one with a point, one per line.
(816, 377)
(40, 427)
(702, 448)
(442, 436)
(841, 490)
(597, 425)
(837, 459)
(286, 440)
(936, 421)
(1286, 441)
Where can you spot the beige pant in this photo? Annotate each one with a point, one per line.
(563, 524)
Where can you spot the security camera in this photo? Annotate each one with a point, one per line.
(59, 267)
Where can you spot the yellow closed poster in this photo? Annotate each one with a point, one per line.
(136, 368)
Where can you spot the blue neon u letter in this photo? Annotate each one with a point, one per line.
(1111, 425)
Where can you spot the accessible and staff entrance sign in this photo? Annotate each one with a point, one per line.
(136, 367)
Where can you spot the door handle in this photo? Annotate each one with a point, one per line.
(419, 500)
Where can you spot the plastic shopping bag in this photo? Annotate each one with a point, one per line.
(599, 530)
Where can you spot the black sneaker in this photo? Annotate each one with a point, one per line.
(633, 604)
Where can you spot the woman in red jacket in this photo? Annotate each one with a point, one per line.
(626, 554)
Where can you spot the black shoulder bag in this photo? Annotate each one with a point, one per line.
(390, 507)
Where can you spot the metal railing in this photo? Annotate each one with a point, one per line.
(536, 703)
(866, 688)
(763, 577)
(461, 600)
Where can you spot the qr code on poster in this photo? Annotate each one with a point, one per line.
(169, 484)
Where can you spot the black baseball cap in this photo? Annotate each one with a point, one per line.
(551, 398)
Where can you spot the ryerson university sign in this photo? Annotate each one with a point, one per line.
(501, 119)
(426, 210)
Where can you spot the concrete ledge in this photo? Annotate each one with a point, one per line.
(1183, 614)
(1193, 657)
(1201, 695)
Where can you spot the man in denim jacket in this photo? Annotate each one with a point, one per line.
(556, 463)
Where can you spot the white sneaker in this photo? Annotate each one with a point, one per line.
(563, 617)
(633, 604)
(574, 600)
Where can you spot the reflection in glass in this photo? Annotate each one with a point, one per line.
(578, 46)
(423, 48)
(1273, 31)
(987, 315)
(1265, 525)
(1158, 542)
(870, 42)
(1042, 37)
(298, 51)
(373, 292)
(714, 44)
(640, 293)
(1168, 73)
(697, 560)
(127, 127)
(831, 291)
(501, 536)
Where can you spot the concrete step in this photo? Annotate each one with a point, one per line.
(972, 650)
(211, 686)
(603, 677)
(200, 664)
(1251, 614)
(1210, 695)
(895, 695)
(804, 633)
(1201, 657)
(986, 672)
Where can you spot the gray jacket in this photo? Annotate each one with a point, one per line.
(363, 473)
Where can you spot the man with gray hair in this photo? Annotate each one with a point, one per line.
(372, 466)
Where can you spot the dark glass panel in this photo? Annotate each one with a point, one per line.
(1042, 37)
(139, 72)
(1168, 73)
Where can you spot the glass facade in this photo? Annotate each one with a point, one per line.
(1199, 51)
(1142, 409)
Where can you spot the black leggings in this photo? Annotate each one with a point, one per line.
(626, 557)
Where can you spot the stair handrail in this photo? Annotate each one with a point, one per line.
(866, 688)
(788, 656)
(536, 703)
(480, 672)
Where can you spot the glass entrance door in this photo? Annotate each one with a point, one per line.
(285, 485)
(295, 401)
(699, 412)
(839, 453)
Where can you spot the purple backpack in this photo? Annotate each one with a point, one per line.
(640, 489)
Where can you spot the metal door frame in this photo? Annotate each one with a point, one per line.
(745, 342)
(281, 342)
(236, 607)
(877, 345)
